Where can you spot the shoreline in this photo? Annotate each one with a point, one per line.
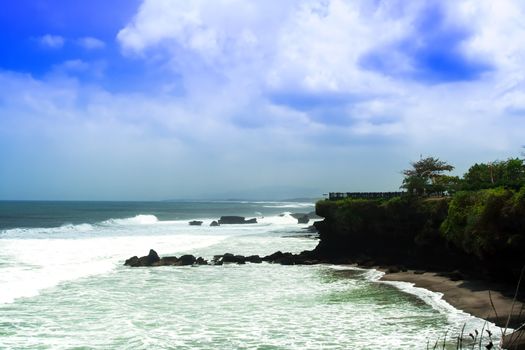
(470, 296)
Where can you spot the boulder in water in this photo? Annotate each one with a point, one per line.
(195, 223)
(229, 220)
(169, 261)
(214, 223)
(152, 259)
(303, 220)
(255, 259)
(148, 260)
(201, 261)
(187, 260)
(133, 261)
(230, 258)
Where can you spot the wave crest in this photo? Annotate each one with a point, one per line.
(140, 219)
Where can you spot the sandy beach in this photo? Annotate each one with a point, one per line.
(471, 296)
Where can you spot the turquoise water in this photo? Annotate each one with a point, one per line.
(64, 287)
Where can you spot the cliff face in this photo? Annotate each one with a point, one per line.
(397, 231)
(425, 234)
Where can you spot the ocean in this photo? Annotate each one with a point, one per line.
(63, 284)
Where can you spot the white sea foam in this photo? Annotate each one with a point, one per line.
(46, 231)
(33, 259)
(289, 205)
(456, 317)
(283, 219)
(140, 219)
(30, 265)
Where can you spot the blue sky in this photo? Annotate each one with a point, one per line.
(157, 99)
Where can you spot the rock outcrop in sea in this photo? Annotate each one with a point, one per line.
(230, 220)
(153, 259)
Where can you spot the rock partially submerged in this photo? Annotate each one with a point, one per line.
(230, 220)
(304, 258)
(304, 218)
(153, 259)
(229, 258)
(195, 223)
(214, 223)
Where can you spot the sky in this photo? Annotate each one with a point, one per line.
(195, 99)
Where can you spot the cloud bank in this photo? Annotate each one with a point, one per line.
(326, 95)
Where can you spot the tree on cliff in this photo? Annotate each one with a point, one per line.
(508, 173)
(426, 177)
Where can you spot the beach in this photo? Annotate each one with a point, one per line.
(471, 296)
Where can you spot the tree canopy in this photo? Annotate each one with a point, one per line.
(506, 173)
(427, 177)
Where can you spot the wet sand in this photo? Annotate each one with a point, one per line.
(471, 296)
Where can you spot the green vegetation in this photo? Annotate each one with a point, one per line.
(509, 173)
(479, 225)
(426, 177)
(487, 223)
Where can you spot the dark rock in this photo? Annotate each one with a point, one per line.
(228, 220)
(240, 259)
(369, 263)
(298, 215)
(393, 269)
(195, 223)
(283, 258)
(236, 259)
(287, 259)
(273, 257)
(148, 260)
(313, 216)
(201, 261)
(227, 258)
(187, 260)
(169, 261)
(214, 224)
(303, 220)
(256, 259)
(152, 259)
(362, 259)
(455, 275)
(133, 261)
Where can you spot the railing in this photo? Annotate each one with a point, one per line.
(333, 196)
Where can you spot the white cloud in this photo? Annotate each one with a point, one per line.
(272, 85)
(52, 41)
(93, 69)
(314, 49)
(90, 43)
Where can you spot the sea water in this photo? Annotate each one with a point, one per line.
(63, 284)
